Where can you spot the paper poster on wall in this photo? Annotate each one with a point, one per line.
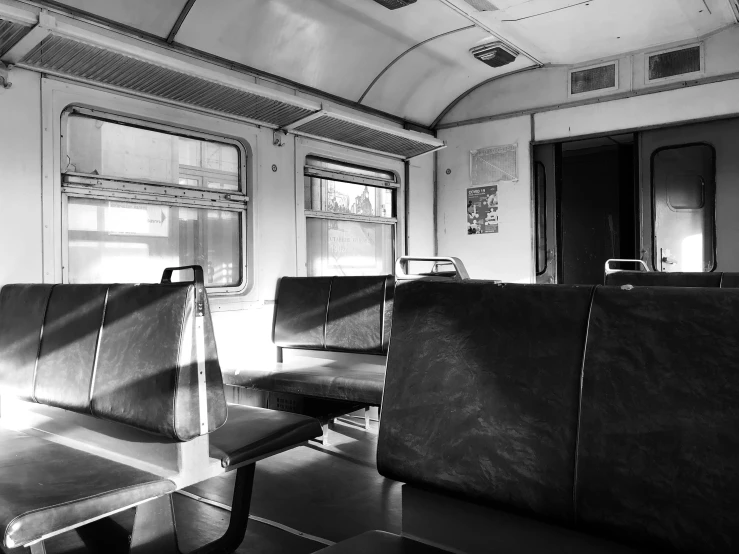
(493, 164)
(482, 210)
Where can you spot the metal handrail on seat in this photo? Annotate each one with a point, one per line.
(639, 262)
(401, 268)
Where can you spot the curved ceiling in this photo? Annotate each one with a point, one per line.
(411, 62)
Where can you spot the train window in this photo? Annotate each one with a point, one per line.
(350, 218)
(540, 217)
(136, 200)
(683, 188)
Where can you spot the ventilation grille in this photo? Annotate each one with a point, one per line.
(493, 164)
(10, 34)
(595, 78)
(68, 57)
(676, 62)
(494, 54)
(482, 5)
(395, 4)
(355, 134)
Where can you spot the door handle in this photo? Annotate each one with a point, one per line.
(670, 261)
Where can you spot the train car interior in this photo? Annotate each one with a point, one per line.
(369, 276)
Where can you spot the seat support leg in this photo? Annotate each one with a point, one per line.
(325, 428)
(234, 535)
(38, 548)
(367, 419)
(155, 531)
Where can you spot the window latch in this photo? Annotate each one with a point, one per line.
(235, 198)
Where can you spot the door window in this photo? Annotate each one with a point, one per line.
(683, 188)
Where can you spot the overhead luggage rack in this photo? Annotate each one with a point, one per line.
(66, 57)
(351, 130)
(59, 47)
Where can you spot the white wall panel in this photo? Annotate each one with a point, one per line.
(20, 180)
(505, 255)
(675, 106)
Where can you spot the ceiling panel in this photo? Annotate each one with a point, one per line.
(337, 46)
(574, 31)
(429, 78)
(153, 16)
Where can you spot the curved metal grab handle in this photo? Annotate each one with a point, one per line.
(401, 266)
(609, 270)
(198, 280)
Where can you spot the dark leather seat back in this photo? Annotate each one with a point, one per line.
(659, 437)
(482, 392)
(729, 280)
(660, 279)
(124, 353)
(343, 314)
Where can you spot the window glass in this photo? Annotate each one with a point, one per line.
(110, 149)
(112, 237)
(344, 247)
(113, 241)
(323, 195)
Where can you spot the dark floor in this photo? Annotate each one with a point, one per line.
(303, 499)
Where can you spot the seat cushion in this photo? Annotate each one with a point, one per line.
(251, 433)
(47, 487)
(380, 542)
(318, 377)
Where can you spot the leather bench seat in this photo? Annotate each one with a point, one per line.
(374, 542)
(47, 487)
(317, 377)
(251, 433)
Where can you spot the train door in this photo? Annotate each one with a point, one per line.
(683, 170)
(588, 201)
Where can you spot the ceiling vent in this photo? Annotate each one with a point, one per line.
(395, 4)
(482, 5)
(10, 33)
(494, 54)
(594, 79)
(673, 63)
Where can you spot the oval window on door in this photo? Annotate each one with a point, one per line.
(684, 191)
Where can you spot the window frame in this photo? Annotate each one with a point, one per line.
(306, 147)
(80, 185)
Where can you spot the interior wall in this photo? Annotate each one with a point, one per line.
(547, 88)
(506, 255)
(707, 101)
(421, 207)
(30, 200)
(20, 180)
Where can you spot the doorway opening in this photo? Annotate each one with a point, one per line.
(593, 194)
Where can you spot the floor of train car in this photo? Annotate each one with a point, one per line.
(328, 492)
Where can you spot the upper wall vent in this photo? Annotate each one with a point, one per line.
(673, 63)
(592, 79)
(395, 4)
(482, 5)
